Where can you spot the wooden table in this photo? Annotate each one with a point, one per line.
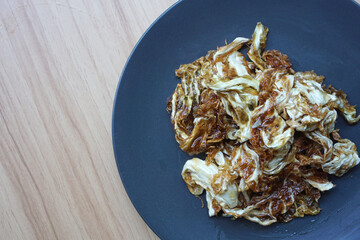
(60, 63)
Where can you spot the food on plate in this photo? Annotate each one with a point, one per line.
(268, 132)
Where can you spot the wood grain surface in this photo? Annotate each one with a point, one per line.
(60, 63)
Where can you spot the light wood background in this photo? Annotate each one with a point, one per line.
(60, 63)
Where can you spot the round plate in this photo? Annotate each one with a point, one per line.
(323, 36)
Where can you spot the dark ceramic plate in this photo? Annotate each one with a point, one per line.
(323, 36)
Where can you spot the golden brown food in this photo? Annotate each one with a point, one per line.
(267, 130)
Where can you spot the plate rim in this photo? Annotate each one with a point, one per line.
(116, 155)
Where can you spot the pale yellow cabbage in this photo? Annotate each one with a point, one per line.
(268, 132)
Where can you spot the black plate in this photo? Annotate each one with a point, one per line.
(323, 36)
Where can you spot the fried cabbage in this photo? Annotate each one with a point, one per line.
(268, 132)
